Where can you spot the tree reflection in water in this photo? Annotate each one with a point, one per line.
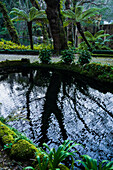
(51, 107)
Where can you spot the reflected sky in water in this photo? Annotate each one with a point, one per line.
(51, 107)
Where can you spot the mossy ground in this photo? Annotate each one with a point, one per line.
(20, 150)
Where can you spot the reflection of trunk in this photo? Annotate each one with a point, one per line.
(76, 103)
(82, 34)
(9, 24)
(50, 106)
(29, 24)
(99, 104)
(28, 108)
(56, 25)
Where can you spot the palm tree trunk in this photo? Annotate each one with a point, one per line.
(82, 34)
(29, 24)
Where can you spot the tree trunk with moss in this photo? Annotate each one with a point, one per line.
(83, 36)
(70, 26)
(56, 25)
(11, 29)
(29, 24)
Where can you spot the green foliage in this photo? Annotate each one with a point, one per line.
(91, 164)
(82, 46)
(79, 15)
(45, 56)
(9, 45)
(102, 72)
(55, 157)
(8, 146)
(30, 15)
(33, 15)
(10, 26)
(67, 56)
(103, 52)
(43, 165)
(2, 119)
(84, 57)
(29, 167)
(96, 40)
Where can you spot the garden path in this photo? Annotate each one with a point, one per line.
(34, 58)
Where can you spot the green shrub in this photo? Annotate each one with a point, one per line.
(91, 164)
(67, 56)
(45, 56)
(9, 45)
(55, 157)
(84, 57)
(102, 52)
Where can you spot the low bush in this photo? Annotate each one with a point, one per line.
(100, 72)
(45, 56)
(84, 57)
(91, 164)
(67, 56)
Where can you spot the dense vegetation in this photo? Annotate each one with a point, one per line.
(64, 18)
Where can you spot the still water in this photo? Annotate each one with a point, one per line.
(52, 106)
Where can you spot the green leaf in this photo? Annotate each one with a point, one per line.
(79, 11)
(89, 36)
(66, 23)
(69, 14)
(44, 144)
(90, 12)
(98, 33)
(29, 167)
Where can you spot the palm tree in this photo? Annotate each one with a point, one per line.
(32, 15)
(80, 16)
(96, 39)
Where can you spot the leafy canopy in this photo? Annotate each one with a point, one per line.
(79, 15)
(32, 15)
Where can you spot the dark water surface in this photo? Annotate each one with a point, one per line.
(51, 107)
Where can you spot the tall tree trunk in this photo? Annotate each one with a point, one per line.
(11, 29)
(82, 34)
(29, 24)
(56, 25)
(70, 26)
(75, 27)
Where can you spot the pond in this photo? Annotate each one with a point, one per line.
(51, 106)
